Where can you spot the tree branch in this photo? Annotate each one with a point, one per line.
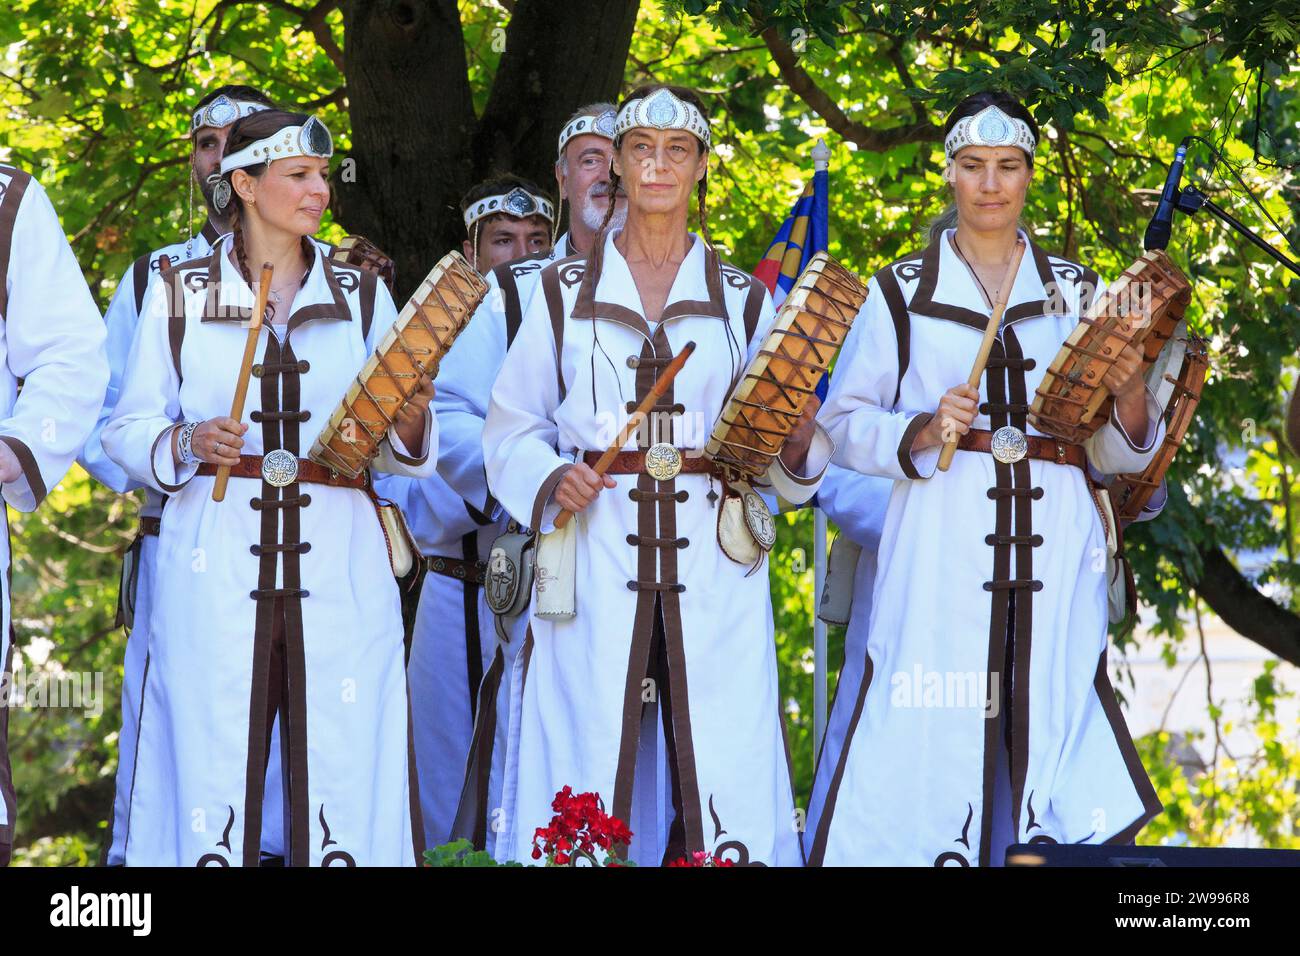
(1243, 608)
(803, 86)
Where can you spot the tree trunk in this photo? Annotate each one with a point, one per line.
(559, 55)
(412, 128)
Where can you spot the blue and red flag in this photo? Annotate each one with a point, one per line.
(804, 232)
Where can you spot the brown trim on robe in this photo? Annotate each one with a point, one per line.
(135, 763)
(544, 493)
(817, 855)
(753, 309)
(408, 460)
(1023, 633)
(140, 280)
(413, 786)
(472, 810)
(905, 444)
(1124, 740)
(264, 629)
(6, 769)
(175, 318)
(366, 293)
(209, 232)
(1000, 599)
(555, 306)
(10, 202)
(473, 650)
(31, 470)
(894, 302)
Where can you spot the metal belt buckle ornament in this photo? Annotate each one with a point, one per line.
(663, 462)
(759, 519)
(279, 468)
(1009, 445)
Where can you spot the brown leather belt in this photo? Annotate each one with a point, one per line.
(473, 571)
(150, 524)
(1039, 447)
(633, 463)
(250, 466)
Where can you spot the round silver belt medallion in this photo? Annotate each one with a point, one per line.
(279, 468)
(759, 520)
(1009, 444)
(663, 462)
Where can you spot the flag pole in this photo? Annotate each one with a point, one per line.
(821, 163)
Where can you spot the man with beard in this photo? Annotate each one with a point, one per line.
(210, 122)
(453, 639)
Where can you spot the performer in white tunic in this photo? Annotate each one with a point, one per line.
(664, 620)
(280, 598)
(211, 120)
(52, 340)
(464, 387)
(986, 716)
(453, 638)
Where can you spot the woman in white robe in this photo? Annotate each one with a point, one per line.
(279, 598)
(664, 620)
(986, 716)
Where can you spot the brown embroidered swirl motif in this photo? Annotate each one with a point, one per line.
(735, 278)
(196, 280)
(730, 846)
(572, 274)
(952, 856)
(908, 271)
(523, 268)
(348, 281)
(219, 859)
(341, 857)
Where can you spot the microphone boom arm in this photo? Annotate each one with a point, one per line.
(1191, 200)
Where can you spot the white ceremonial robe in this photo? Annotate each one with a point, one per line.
(452, 642)
(464, 390)
(51, 338)
(121, 321)
(647, 555)
(970, 561)
(856, 504)
(312, 568)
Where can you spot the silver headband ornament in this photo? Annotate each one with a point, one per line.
(602, 124)
(309, 139)
(989, 127)
(222, 112)
(519, 202)
(662, 110)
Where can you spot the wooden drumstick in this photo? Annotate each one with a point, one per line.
(990, 333)
(245, 368)
(656, 392)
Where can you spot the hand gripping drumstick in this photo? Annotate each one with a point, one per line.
(642, 411)
(990, 333)
(241, 385)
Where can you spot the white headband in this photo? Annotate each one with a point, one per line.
(601, 124)
(309, 139)
(519, 202)
(989, 127)
(662, 110)
(223, 111)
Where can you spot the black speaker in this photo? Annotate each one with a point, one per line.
(1080, 854)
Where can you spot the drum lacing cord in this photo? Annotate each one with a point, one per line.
(655, 586)
(648, 542)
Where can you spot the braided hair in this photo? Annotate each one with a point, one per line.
(246, 130)
(701, 188)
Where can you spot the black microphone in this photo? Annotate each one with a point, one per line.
(1157, 234)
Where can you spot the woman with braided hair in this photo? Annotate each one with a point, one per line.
(278, 599)
(660, 691)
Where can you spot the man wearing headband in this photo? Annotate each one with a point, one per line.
(279, 600)
(506, 217)
(994, 571)
(648, 674)
(52, 340)
(208, 124)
